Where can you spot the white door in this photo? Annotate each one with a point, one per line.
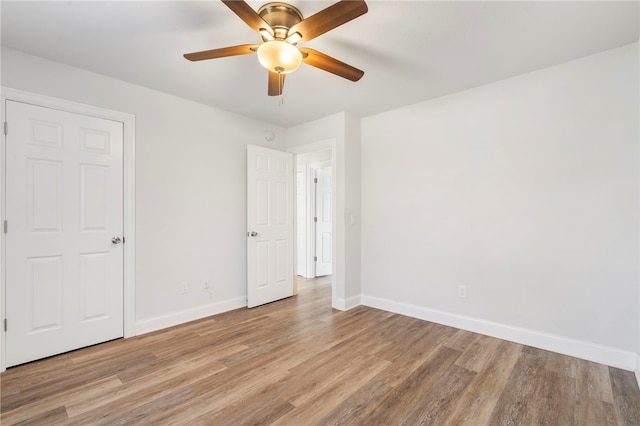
(323, 221)
(269, 225)
(64, 205)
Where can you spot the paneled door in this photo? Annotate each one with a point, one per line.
(269, 225)
(324, 239)
(64, 212)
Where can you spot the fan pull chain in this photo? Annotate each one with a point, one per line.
(281, 99)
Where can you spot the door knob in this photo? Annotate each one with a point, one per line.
(116, 240)
(254, 234)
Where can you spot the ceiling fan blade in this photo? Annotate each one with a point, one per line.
(327, 63)
(248, 15)
(276, 83)
(243, 49)
(329, 18)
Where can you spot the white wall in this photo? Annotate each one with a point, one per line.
(190, 187)
(526, 191)
(343, 130)
(352, 203)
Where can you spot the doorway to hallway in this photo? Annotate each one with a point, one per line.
(314, 214)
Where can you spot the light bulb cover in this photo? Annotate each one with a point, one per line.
(279, 56)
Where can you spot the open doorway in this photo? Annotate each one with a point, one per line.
(314, 214)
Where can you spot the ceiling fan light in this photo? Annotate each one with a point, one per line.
(279, 56)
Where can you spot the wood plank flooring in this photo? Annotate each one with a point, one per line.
(298, 362)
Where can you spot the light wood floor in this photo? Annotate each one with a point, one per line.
(298, 362)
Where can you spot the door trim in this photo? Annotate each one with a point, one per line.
(128, 121)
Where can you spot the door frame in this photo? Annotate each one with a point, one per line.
(329, 144)
(128, 160)
(301, 220)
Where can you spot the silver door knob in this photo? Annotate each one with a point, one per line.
(116, 240)
(254, 234)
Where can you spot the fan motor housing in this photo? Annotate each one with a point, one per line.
(280, 16)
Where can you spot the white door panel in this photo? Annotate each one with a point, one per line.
(323, 222)
(269, 225)
(64, 202)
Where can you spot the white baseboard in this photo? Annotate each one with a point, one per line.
(589, 351)
(637, 371)
(352, 302)
(180, 317)
(346, 304)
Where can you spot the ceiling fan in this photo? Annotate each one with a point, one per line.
(281, 27)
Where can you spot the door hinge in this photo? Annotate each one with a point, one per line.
(4, 226)
(315, 219)
(315, 180)
(5, 324)
(6, 128)
(315, 258)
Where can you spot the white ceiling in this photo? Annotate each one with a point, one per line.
(410, 50)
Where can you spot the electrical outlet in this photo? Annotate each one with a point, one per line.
(184, 287)
(462, 291)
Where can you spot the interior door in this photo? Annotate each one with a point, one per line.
(269, 225)
(64, 212)
(324, 232)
